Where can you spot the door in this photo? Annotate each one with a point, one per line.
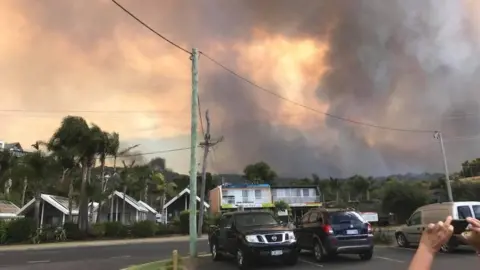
(414, 228)
(224, 228)
(300, 230)
(312, 228)
(230, 230)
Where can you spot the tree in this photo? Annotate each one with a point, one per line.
(40, 170)
(335, 186)
(163, 188)
(403, 198)
(126, 181)
(359, 185)
(260, 172)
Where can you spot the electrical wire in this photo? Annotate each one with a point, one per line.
(150, 28)
(273, 93)
(154, 152)
(79, 111)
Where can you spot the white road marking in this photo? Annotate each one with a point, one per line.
(389, 259)
(311, 263)
(120, 257)
(33, 262)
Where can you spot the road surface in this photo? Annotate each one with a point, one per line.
(121, 256)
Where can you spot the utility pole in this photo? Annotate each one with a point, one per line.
(193, 157)
(206, 144)
(438, 135)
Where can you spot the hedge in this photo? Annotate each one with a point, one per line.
(24, 231)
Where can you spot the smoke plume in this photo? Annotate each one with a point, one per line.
(403, 63)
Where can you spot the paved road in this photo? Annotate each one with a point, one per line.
(121, 256)
(93, 257)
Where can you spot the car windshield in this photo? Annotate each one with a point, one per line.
(345, 217)
(255, 219)
(476, 211)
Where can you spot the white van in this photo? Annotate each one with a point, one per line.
(410, 233)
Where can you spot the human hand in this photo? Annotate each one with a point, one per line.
(436, 235)
(472, 236)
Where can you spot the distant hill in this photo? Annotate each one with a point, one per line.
(238, 178)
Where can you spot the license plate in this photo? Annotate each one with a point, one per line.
(352, 231)
(276, 252)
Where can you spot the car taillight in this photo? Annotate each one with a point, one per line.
(369, 228)
(328, 229)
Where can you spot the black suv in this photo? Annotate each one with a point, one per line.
(252, 235)
(331, 232)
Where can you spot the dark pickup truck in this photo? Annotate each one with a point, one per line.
(252, 236)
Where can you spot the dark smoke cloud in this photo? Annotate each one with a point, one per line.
(418, 54)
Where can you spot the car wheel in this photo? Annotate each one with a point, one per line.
(242, 260)
(318, 251)
(402, 240)
(216, 256)
(366, 256)
(292, 259)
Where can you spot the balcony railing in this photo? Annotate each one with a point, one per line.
(308, 199)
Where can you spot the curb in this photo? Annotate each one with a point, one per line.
(201, 255)
(99, 243)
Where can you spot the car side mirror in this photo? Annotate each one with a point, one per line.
(408, 222)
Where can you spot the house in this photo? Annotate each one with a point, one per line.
(179, 203)
(8, 210)
(152, 213)
(299, 198)
(15, 148)
(227, 197)
(111, 209)
(53, 210)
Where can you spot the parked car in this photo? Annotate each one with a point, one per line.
(328, 232)
(410, 233)
(252, 236)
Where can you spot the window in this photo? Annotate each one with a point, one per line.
(464, 212)
(476, 211)
(225, 221)
(298, 192)
(255, 219)
(225, 192)
(416, 219)
(258, 194)
(345, 218)
(274, 193)
(287, 192)
(305, 192)
(314, 217)
(245, 196)
(305, 218)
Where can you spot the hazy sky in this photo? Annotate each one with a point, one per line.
(405, 63)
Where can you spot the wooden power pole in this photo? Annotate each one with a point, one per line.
(206, 144)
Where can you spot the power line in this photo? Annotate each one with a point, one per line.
(309, 108)
(80, 111)
(154, 152)
(150, 28)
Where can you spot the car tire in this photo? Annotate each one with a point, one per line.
(242, 261)
(366, 256)
(402, 240)
(318, 251)
(216, 255)
(292, 259)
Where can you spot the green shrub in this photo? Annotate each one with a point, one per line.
(145, 228)
(163, 229)
(73, 232)
(3, 231)
(20, 230)
(114, 229)
(184, 222)
(47, 234)
(383, 237)
(97, 230)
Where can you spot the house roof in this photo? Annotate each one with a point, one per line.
(8, 209)
(131, 201)
(148, 207)
(60, 203)
(186, 190)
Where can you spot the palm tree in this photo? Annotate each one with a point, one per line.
(163, 189)
(335, 185)
(126, 181)
(41, 172)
